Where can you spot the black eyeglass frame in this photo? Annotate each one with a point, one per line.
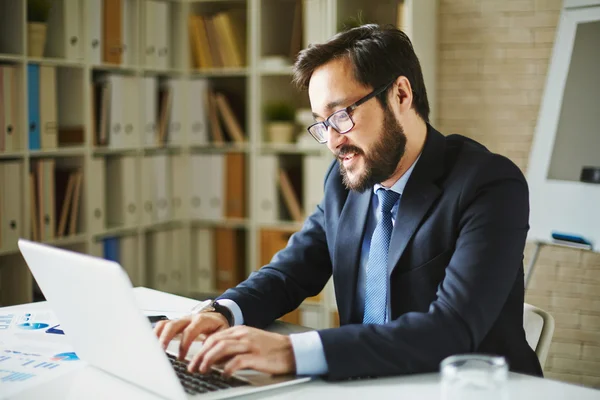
(348, 110)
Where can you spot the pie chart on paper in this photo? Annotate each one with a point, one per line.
(70, 356)
(31, 326)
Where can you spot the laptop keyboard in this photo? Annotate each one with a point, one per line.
(194, 383)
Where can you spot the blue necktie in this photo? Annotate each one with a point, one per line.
(376, 280)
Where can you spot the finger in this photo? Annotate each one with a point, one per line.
(171, 329)
(216, 354)
(240, 362)
(212, 340)
(198, 329)
(159, 326)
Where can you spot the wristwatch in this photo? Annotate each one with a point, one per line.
(214, 306)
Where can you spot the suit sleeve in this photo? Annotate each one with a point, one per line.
(299, 271)
(493, 224)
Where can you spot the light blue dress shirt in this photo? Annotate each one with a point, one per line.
(307, 347)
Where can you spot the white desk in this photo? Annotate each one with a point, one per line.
(90, 383)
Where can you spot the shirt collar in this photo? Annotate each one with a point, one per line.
(400, 184)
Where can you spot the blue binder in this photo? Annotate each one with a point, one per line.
(111, 248)
(33, 105)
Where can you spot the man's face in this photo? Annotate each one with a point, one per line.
(370, 152)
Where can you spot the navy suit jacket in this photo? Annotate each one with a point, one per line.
(457, 254)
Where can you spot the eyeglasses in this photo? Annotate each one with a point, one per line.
(341, 120)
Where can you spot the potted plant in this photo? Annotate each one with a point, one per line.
(37, 18)
(280, 125)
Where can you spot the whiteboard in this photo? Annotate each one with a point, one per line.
(567, 135)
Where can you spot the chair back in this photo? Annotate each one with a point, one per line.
(539, 328)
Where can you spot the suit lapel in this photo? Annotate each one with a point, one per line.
(347, 250)
(419, 194)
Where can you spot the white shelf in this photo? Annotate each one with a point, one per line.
(268, 34)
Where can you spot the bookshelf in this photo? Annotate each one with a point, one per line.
(125, 113)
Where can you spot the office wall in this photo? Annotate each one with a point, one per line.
(493, 61)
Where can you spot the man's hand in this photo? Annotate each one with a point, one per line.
(243, 347)
(192, 327)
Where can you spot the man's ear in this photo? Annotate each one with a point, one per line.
(402, 93)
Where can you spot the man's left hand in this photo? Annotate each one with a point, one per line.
(242, 347)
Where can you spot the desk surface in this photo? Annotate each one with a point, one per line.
(91, 383)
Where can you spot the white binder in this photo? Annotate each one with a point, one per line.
(162, 196)
(179, 103)
(162, 25)
(131, 113)
(97, 189)
(63, 38)
(116, 136)
(178, 265)
(314, 169)
(149, 111)
(197, 111)
(179, 186)
(121, 198)
(216, 188)
(148, 211)
(128, 258)
(11, 203)
(202, 271)
(150, 29)
(266, 206)
(158, 258)
(11, 129)
(94, 10)
(128, 34)
(48, 108)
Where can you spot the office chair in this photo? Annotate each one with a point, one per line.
(539, 328)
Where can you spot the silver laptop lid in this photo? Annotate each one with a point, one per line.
(95, 304)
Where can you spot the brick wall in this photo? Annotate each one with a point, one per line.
(492, 68)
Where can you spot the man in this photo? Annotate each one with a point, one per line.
(424, 235)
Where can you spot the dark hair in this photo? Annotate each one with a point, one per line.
(378, 55)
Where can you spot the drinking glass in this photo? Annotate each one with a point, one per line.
(474, 376)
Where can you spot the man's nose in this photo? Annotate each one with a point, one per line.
(335, 139)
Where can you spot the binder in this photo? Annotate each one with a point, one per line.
(112, 42)
(230, 257)
(131, 111)
(9, 117)
(161, 192)
(33, 105)
(179, 185)
(202, 271)
(198, 111)
(147, 193)
(313, 170)
(111, 248)
(235, 194)
(121, 192)
(97, 195)
(94, 44)
(178, 267)
(63, 37)
(158, 255)
(162, 25)
(128, 34)
(11, 204)
(267, 201)
(149, 51)
(149, 110)
(45, 181)
(128, 258)
(48, 108)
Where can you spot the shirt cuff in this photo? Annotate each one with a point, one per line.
(309, 353)
(238, 318)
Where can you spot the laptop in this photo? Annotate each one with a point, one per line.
(95, 303)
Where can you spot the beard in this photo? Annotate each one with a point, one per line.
(381, 161)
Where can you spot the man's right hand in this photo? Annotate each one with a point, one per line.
(192, 327)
